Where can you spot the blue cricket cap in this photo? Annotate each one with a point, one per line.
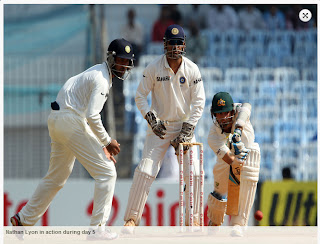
(174, 32)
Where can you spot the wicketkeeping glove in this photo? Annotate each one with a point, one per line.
(185, 135)
(156, 124)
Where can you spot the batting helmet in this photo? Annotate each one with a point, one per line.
(174, 36)
(222, 102)
(123, 49)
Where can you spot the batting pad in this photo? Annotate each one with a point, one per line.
(138, 195)
(196, 198)
(216, 210)
(249, 178)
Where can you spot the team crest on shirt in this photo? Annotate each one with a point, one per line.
(221, 102)
(182, 80)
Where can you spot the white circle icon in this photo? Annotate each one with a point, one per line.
(305, 15)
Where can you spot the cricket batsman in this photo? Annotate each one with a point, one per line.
(231, 137)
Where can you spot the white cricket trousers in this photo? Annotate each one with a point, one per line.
(72, 138)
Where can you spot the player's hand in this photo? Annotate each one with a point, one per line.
(237, 148)
(236, 137)
(241, 153)
(108, 155)
(237, 163)
(156, 124)
(175, 143)
(185, 135)
(113, 148)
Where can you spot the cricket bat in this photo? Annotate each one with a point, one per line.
(233, 191)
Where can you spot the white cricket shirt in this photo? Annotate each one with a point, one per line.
(86, 94)
(175, 97)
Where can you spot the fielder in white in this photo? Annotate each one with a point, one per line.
(177, 104)
(231, 137)
(76, 131)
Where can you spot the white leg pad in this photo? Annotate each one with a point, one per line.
(248, 186)
(216, 210)
(196, 198)
(138, 195)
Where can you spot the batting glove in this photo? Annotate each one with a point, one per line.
(156, 124)
(185, 135)
(236, 137)
(240, 151)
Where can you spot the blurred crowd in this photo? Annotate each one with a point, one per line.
(217, 17)
(199, 18)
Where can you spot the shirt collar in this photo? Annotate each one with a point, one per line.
(166, 64)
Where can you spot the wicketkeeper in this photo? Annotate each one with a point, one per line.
(177, 104)
(231, 137)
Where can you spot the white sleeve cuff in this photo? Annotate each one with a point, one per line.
(222, 151)
(107, 141)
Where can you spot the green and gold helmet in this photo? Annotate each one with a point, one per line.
(222, 102)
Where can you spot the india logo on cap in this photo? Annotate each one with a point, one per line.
(127, 49)
(175, 31)
(221, 103)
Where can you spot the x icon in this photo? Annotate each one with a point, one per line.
(305, 15)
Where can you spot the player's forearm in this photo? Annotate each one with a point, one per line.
(142, 104)
(95, 105)
(221, 150)
(141, 97)
(97, 128)
(197, 107)
(196, 114)
(243, 116)
(228, 158)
